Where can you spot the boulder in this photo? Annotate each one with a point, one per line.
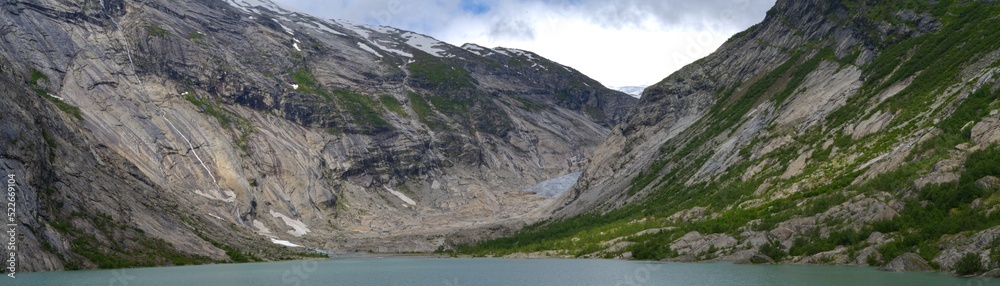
(761, 259)
(908, 262)
(988, 182)
(986, 132)
(995, 273)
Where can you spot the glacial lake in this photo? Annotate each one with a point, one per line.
(499, 272)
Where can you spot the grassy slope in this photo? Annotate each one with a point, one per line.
(935, 60)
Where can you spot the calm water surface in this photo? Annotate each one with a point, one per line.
(500, 272)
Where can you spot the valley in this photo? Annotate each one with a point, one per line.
(152, 133)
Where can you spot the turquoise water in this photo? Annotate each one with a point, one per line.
(505, 272)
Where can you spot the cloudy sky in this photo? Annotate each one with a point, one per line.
(619, 43)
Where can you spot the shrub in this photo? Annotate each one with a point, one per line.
(969, 264)
(773, 250)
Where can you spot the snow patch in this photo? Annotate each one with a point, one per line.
(261, 228)
(296, 46)
(394, 51)
(523, 53)
(299, 228)
(425, 43)
(216, 217)
(384, 29)
(295, 87)
(369, 49)
(286, 28)
(284, 242)
(225, 196)
(476, 49)
(502, 51)
(323, 27)
(250, 6)
(357, 29)
(401, 196)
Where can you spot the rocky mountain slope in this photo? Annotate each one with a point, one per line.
(847, 132)
(216, 126)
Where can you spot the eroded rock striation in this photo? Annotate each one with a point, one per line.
(180, 120)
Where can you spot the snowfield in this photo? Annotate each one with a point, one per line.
(299, 228)
(425, 43)
(284, 242)
(401, 196)
(369, 49)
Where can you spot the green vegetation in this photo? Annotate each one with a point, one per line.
(308, 84)
(392, 104)
(969, 264)
(773, 250)
(227, 119)
(449, 106)
(949, 210)
(529, 104)
(437, 74)
(235, 255)
(954, 129)
(123, 247)
(196, 36)
(37, 76)
(67, 108)
(736, 204)
(156, 31)
(423, 110)
(365, 111)
(816, 244)
(206, 106)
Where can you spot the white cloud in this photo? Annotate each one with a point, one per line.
(625, 42)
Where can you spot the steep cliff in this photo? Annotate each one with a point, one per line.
(240, 119)
(843, 132)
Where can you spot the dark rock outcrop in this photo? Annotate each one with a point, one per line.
(908, 262)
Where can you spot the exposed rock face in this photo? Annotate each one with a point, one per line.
(672, 106)
(695, 243)
(78, 199)
(987, 132)
(956, 246)
(946, 171)
(325, 133)
(908, 262)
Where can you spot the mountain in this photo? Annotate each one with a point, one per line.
(844, 132)
(160, 132)
(635, 91)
